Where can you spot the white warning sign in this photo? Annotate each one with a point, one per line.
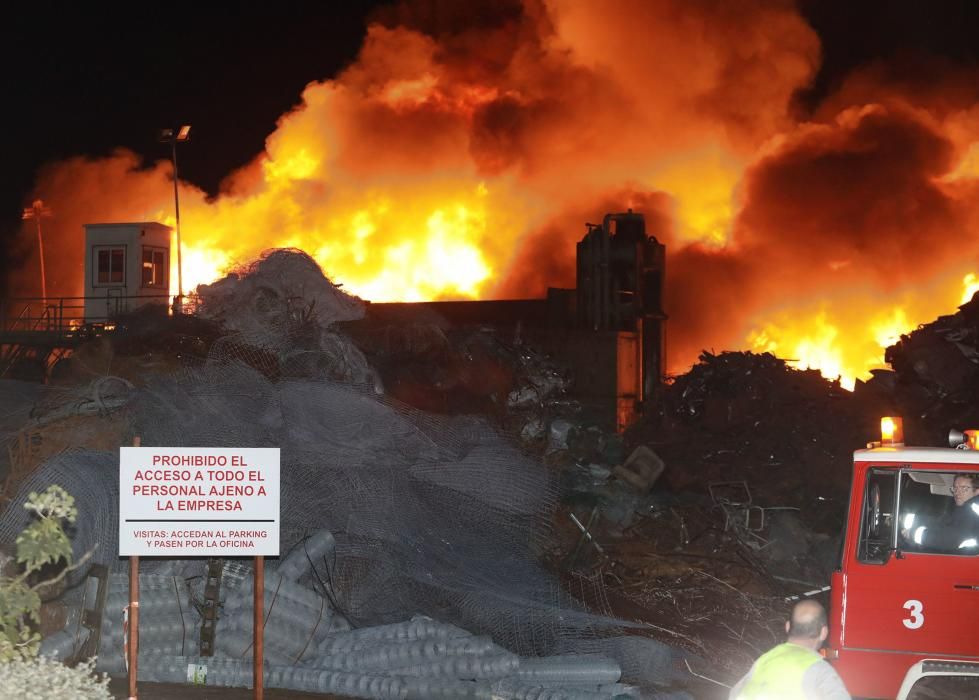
(198, 501)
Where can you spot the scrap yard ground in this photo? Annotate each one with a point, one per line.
(703, 551)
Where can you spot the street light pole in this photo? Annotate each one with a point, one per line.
(36, 212)
(172, 137)
(176, 209)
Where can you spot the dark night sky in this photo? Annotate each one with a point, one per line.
(84, 79)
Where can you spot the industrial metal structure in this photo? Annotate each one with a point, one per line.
(610, 330)
(620, 272)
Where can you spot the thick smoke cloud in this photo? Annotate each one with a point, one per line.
(464, 149)
(854, 199)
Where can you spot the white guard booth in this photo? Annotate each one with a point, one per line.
(127, 266)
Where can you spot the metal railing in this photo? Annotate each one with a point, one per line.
(67, 315)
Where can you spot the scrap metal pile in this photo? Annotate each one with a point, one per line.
(750, 507)
(746, 483)
(701, 521)
(935, 375)
(433, 527)
(504, 549)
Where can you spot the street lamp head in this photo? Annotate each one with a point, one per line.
(171, 135)
(37, 209)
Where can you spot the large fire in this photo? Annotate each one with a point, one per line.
(462, 162)
(406, 247)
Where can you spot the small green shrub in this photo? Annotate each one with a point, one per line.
(23, 674)
(41, 543)
(42, 678)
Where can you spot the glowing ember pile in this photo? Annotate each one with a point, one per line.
(461, 159)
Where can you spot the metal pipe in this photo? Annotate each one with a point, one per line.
(40, 253)
(259, 606)
(584, 531)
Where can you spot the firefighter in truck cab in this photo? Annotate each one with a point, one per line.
(904, 601)
(958, 529)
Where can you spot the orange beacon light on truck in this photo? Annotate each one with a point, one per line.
(891, 431)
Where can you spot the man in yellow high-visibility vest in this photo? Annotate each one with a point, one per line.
(795, 670)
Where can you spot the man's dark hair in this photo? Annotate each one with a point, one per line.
(967, 475)
(810, 627)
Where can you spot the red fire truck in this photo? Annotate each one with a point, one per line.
(901, 609)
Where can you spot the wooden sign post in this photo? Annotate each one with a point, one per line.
(132, 648)
(259, 641)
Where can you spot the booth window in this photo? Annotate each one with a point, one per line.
(155, 268)
(110, 265)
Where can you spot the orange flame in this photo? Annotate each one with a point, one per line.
(462, 162)
(407, 247)
(702, 183)
(848, 340)
(970, 284)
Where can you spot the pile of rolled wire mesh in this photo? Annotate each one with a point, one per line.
(309, 646)
(412, 542)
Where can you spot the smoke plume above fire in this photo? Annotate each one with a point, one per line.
(461, 153)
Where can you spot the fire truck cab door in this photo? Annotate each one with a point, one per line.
(898, 599)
